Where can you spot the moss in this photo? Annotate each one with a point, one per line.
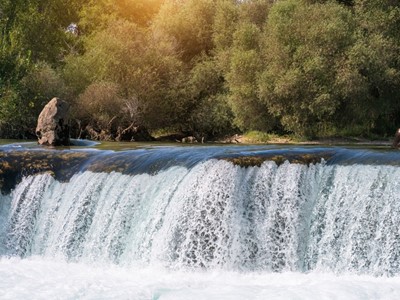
(99, 166)
(256, 161)
(16, 164)
(246, 161)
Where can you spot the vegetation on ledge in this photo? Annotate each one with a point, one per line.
(256, 161)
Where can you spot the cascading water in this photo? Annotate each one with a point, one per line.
(216, 215)
(211, 215)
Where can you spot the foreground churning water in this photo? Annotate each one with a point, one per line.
(187, 224)
(38, 278)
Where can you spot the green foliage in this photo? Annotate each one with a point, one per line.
(304, 47)
(36, 29)
(255, 11)
(146, 71)
(188, 24)
(21, 103)
(244, 65)
(369, 82)
(208, 112)
(225, 20)
(96, 15)
(41, 84)
(101, 106)
(370, 77)
(205, 67)
(256, 137)
(32, 41)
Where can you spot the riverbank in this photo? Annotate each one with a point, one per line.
(236, 139)
(256, 137)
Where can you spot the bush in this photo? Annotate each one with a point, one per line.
(100, 106)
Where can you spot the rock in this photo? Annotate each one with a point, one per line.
(189, 139)
(396, 140)
(175, 137)
(133, 134)
(53, 128)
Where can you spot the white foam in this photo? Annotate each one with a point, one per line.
(217, 216)
(36, 278)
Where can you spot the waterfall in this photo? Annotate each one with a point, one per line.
(213, 215)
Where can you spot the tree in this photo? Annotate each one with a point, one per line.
(244, 67)
(207, 110)
(96, 15)
(190, 28)
(369, 79)
(145, 70)
(303, 49)
(22, 102)
(255, 11)
(38, 28)
(32, 42)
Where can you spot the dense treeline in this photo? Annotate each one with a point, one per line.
(206, 67)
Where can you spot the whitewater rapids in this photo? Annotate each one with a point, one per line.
(37, 278)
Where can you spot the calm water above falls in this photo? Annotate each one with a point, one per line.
(172, 211)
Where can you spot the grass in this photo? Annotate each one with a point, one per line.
(256, 137)
(259, 137)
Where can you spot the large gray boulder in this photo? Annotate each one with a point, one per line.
(53, 128)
